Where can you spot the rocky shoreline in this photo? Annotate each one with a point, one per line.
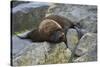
(85, 48)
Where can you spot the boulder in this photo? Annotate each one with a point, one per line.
(89, 24)
(72, 39)
(73, 12)
(42, 53)
(26, 16)
(86, 44)
(88, 57)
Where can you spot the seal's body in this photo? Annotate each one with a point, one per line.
(48, 30)
(52, 29)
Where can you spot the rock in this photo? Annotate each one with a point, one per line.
(73, 12)
(89, 56)
(83, 31)
(18, 45)
(27, 16)
(89, 25)
(43, 53)
(14, 3)
(86, 44)
(31, 54)
(72, 39)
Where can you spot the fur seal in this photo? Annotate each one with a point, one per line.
(53, 29)
(48, 30)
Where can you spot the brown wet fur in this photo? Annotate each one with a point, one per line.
(45, 30)
(64, 22)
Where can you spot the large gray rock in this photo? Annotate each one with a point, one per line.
(86, 44)
(89, 24)
(31, 54)
(72, 39)
(27, 16)
(18, 45)
(89, 56)
(74, 12)
(43, 53)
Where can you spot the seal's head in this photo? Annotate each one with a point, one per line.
(51, 31)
